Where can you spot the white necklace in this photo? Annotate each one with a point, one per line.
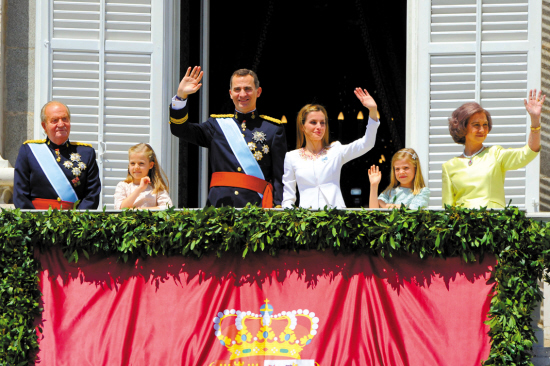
(472, 156)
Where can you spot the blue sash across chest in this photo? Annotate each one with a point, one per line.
(53, 172)
(240, 149)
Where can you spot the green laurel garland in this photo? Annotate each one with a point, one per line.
(522, 247)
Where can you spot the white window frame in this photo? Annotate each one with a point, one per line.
(164, 48)
(419, 50)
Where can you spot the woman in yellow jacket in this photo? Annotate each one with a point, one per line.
(476, 178)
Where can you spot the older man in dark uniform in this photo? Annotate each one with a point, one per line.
(56, 172)
(247, 150)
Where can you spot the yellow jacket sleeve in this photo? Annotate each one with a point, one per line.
(448, 197)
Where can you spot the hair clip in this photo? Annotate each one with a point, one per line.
(411, 154)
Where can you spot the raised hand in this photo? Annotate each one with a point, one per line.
(534, 105)
(190, 83)
(375, 176)
(365, 98)
(368, 101)
(143, 183)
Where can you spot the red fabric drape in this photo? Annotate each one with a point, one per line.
(162, 311)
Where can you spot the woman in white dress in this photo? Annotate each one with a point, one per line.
(316, 166)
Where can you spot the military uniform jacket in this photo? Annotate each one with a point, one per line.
(269, 153)
(30, 182)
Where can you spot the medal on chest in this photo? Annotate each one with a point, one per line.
(258, 137)
(75, 165)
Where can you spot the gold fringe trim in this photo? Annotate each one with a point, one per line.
(34, 142)
(222, 115)
(271, 119)
(81, 144)
(179, 121)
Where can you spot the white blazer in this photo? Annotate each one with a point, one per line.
(319, 180)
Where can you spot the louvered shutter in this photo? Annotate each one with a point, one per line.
(108, 60)
(466, 50)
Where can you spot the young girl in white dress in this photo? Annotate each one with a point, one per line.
(316, 167)
(406, 183)
(145, 187)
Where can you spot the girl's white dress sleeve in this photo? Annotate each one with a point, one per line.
(163, 200)
(319, 180)
(122, 191)
(145, 198)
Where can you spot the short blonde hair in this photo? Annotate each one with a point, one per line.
(301, 120)
(412, 158)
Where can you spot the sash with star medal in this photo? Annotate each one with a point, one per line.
(53, 172)
(258, 137)
(253, 179)
(241, 150)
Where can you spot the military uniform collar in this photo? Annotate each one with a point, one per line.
(239, 116)
(50, 143)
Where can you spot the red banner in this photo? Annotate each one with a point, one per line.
(305, 309)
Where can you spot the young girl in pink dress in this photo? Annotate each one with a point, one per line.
(145, 187)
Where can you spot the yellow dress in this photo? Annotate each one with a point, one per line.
(482, 183)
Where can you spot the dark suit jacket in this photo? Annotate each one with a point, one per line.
(30, 182)
(222, 159)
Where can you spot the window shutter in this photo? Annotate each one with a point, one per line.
(485, 51)
(453, 21)
(503, 20)
(128, 20)
(101, 61)
(127, 112)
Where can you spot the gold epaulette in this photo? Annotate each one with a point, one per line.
(81, 144)
(222, 115)
(34, 142)
(271, 119)
(179, 121)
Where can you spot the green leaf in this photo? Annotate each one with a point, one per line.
(521, 246)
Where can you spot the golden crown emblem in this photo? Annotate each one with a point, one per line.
(246, 334)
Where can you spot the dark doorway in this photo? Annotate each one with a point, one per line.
(310, 51)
